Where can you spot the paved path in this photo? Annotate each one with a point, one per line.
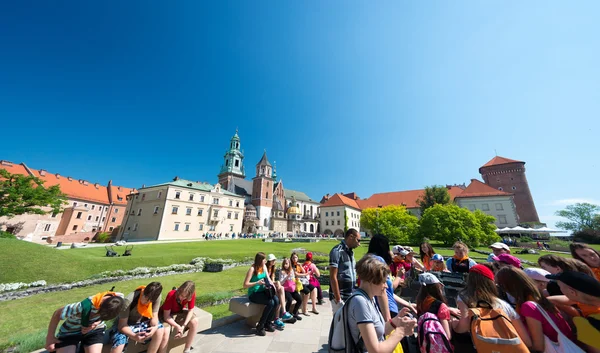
(307, 336)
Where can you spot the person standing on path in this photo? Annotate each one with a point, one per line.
(342, 269)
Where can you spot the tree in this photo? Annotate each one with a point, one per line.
(345, 221)
(582, 216)
(22, 194)
(394, 222)
(449, 223)
(433, 195)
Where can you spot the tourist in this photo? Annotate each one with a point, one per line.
(80, 328)
(314, 279)
(256, 282)
(280, 293)
(460, 262)
(342, 273)
(498, 249)
(556, 264)
(588, 255)
(178, 312)
(480, 287)
(426, 252)
(438, 264)
(139, 320)
(431, 299)
(410, 258)
(379, 247)
(529, 305)
(365, 321)
(399, 266)
(507, 260)
(288, 281)
(307, 288)
(582, 290)
(538, 275)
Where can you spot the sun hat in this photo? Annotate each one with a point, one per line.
(482, 270)
(499, 245)
(271, 257)
(437, 257)
(428, 278)
(538, 274)
(508, 259)
(579, 281)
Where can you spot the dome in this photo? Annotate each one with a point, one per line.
(294, 211)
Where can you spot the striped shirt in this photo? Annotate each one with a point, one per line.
(342, 258)
(72, 315)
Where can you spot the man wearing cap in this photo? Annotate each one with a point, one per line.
(342, 269)
(582, 290)
(498, 249)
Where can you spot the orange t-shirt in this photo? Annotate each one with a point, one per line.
(596, 271)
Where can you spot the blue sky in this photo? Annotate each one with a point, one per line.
(344, 95)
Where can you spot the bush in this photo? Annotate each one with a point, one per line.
(103, 237)
(7, 235)
(588, 236)
(526, 239)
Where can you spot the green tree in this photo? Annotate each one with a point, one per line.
(345, 221)
(449, 223)
(433, 195)
(394, 222)
(25, 194)
(581, 216)
(488, 228)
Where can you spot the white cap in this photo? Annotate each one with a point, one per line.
(396, 249)
(428, 278)
(499, 245)
(271, 257)
(537, 274)
(404, 252)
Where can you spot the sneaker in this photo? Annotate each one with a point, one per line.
(320, 302)
(260, 331)
(291, 320)
(287, 316)
(279, 323)
(297, 317)
(270, 328)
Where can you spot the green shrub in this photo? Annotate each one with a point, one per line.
(526, 239)
(103, 237)
(7, 235)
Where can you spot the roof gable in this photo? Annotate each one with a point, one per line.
(499, 161)
(340, 200)
(480, 189)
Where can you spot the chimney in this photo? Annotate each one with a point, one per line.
(70, 178)
(96, 185)
(57, 176)
(42, 172)
(143, 186)
(84, 182)
(176, 178)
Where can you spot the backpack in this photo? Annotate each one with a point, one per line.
(492, 331)
(340, 340)
(430, 332)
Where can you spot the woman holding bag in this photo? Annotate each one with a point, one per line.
(257, 282)
(307, 288)
(288, 280)
(309, 266)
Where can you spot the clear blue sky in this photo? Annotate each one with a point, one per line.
(344, 95)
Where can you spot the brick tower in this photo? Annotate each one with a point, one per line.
(509, 175)
(262, 192)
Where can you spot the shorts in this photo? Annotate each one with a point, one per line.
(119, 338)
(180, 319)
(307, 288)
(89, 339)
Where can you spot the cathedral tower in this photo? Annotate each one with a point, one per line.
(262, 191)
(509, 175)
(234, 163)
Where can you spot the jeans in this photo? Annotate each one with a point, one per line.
(288, 302)
(270, 304)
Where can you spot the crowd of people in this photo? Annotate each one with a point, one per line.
(503, 307)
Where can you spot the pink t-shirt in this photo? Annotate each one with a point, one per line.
(528, 309)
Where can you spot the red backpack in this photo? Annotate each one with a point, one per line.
(430, 332)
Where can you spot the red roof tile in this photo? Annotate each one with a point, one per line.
(340, 200)
(13, 168)
(408, 198)
(480, 189)
(500, 160)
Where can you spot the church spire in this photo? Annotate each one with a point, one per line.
(275, 170)
(234, 158)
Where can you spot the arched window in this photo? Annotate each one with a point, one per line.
(312, 227)
(266, 223)
(305, 227)
(267, 195)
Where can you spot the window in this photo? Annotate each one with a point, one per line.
(47, 227)
(89, 217)
(188, 211)
(187, 227)
(103, 219)
(119, 198)
(230, 203)
(133, 212)
(54, 214)
(502, 219)
(514, 188)
(116, 210)
(94, 207)
(485, 207)
(176, 227)
(135, 227)
(85, 205)
(216, 213)
(201, 227)
(499, 207)
(177, 195)
(143, 197)
(231, 227)
(79, 215)
(113, 220)
(237, 204)
(74, 227)
(97, 218)
(201, 198)
(338, 213)
(159, 195)
(140, 212)
(156, 208)
(74, 204)
(211, 228)
(111, 228)
(174, 210)
(237, 216)
(200, 212)
(326, 223)
(215, 201)
(237, 163)
(338, 222)
(267, 195)
(500, 188)
(472, 207)
(326, 214)
(228, 215)
(191, 197)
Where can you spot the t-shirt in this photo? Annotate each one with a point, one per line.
(451, 260)
(501, 304)
(171, 303)
(392, 305)
(362, 310)
(587, 333)
(133, 316)
(258, 287)
(72, 315)
(443, 311)
(529, 309)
